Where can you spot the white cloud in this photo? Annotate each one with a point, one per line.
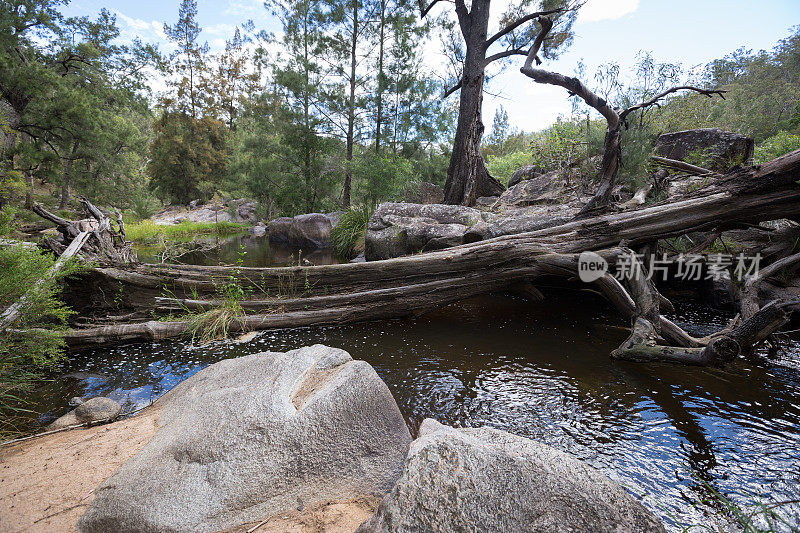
(131, 28)
(247, 8)
(596, 10)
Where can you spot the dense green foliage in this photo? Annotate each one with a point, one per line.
(73, 103)
(25, 354)
(777, 145)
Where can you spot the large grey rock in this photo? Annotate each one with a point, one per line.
(397, 229)
(484, 479)
(546, 188)
(248, 438)
(720, 149)
(92, 410)
(526, 172)
(307, 232)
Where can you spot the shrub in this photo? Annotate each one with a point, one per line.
(502, 167)
(776, 146)
(560, 145)
(35, 342)
(7, 221)
(348, 235)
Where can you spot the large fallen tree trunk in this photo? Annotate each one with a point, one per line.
(301, 296)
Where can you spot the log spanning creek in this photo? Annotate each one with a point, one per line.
(675, 434)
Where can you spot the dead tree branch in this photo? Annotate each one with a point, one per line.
(615, 117)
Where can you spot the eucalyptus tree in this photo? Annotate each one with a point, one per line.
(301, 74)
(467, 176)
(616, 117)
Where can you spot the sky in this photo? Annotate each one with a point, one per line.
(691, 32)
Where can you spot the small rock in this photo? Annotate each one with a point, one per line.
(258, 231)
(247, 337)
(526, 172)
(75, 401)
(93, 410)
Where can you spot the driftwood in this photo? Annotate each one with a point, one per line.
(408, 286)
(105, 244)
(680, 165)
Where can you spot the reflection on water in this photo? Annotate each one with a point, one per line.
(252, 251)
(541, 371)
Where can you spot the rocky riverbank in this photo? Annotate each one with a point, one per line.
(307, 440)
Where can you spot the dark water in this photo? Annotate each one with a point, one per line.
(541, 371)
(245, 249)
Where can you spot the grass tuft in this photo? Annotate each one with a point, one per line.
(348, 235)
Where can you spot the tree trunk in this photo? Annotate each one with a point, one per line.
(380, 88)
(296, 296)
(62, 204)
(467, 177)
(351, 109)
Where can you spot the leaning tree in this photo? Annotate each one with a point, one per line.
(616, 118)
(467, 176)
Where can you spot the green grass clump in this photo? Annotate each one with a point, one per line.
(348, 235)
(148, 232)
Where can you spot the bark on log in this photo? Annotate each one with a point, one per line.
(299, 296)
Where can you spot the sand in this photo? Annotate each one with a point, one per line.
(47, 483)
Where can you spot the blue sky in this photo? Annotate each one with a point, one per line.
(690, 32)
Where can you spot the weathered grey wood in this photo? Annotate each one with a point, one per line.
(680, 165)
(295, 296)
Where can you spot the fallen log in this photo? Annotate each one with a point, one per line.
(332, 294)
(681, 165)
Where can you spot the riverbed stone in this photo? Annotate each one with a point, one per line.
(482, 479)
(251, 437)
(719, 149)
(258, 231)
(93, 410)
(310, 231)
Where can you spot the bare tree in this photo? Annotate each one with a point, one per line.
(615, 117)
(467, 176)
